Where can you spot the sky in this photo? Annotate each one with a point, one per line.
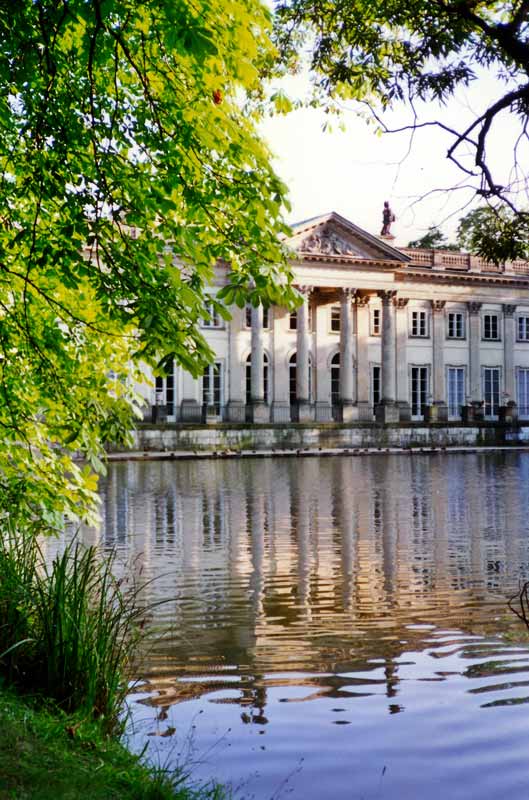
(354, 171)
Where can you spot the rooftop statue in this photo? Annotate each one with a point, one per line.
(387, 218)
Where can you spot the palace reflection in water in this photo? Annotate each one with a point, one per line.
(271, 562)
(365, 585)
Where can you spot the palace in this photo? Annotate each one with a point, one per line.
(384, 334)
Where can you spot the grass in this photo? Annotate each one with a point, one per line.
(46, 756)
(66, 630)
(66, 634)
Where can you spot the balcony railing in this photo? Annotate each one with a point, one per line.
(448, 260)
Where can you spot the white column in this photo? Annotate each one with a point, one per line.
(237, 370)
(387, 410)
(280, 338)
(322, 389)
(509, 382)
(474, 310)
(346, 354)
(401, 325)
(362, 358)
(438, 359)
(257, 390)
(259, 411)
(302, 356)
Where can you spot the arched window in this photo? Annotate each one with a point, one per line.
(249, 378)
(292, 369)
(335, 380)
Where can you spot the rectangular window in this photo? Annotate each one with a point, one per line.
(376, 322)
(266, 317)
(419, 323)
(293, 320)
(523, 329)
(212, 386)
(165, 391)
(522, 387)
(491, 390)
(455, 390)
(336, 319)
(214, 320)
(456, 326)
(376, 385)
(419, 390)
(491, 327)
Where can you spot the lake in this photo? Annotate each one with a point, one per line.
(331, 627)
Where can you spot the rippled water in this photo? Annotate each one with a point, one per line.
(335, 627)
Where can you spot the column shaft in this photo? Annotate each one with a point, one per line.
(280, 397)
(303, 349)
(362, 358)
(322, 394)
(438, 366)
(236, 399)
(401, 325)
(474, 348)
(259, 411)
(346, 348)
(509, 381)
(388, 346)
(388, 410)
(257, 390)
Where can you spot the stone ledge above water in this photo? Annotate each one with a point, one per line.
(333, 437)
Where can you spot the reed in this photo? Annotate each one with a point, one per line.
(66, 629)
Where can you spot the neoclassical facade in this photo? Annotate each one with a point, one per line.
(382, 334)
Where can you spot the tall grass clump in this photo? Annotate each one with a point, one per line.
(67, 629)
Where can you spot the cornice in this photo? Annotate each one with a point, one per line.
(429, 276)
(403, 272)
(327, 260)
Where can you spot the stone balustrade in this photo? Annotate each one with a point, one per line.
(462, 262)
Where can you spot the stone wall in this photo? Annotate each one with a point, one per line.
(269, 437)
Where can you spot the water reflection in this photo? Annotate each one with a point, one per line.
(309, 555)
(315, 591)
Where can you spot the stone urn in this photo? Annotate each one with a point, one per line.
(508, 413)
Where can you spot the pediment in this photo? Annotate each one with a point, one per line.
(334, 237)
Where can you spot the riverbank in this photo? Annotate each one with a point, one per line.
(321, 439)
(45, 756)
(184, 455)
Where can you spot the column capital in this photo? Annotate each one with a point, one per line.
(305, 290)
(474, 308)
(362, 300)
(508, 310)
(387, 296)
(438, 305)
(401, 302)
(346, 293)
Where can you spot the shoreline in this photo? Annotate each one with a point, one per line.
(320, 452)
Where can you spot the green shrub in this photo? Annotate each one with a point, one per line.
(66, 629)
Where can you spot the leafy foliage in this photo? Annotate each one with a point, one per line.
(395, 53)
(433, 239)
(130, 167)
(494, 233)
